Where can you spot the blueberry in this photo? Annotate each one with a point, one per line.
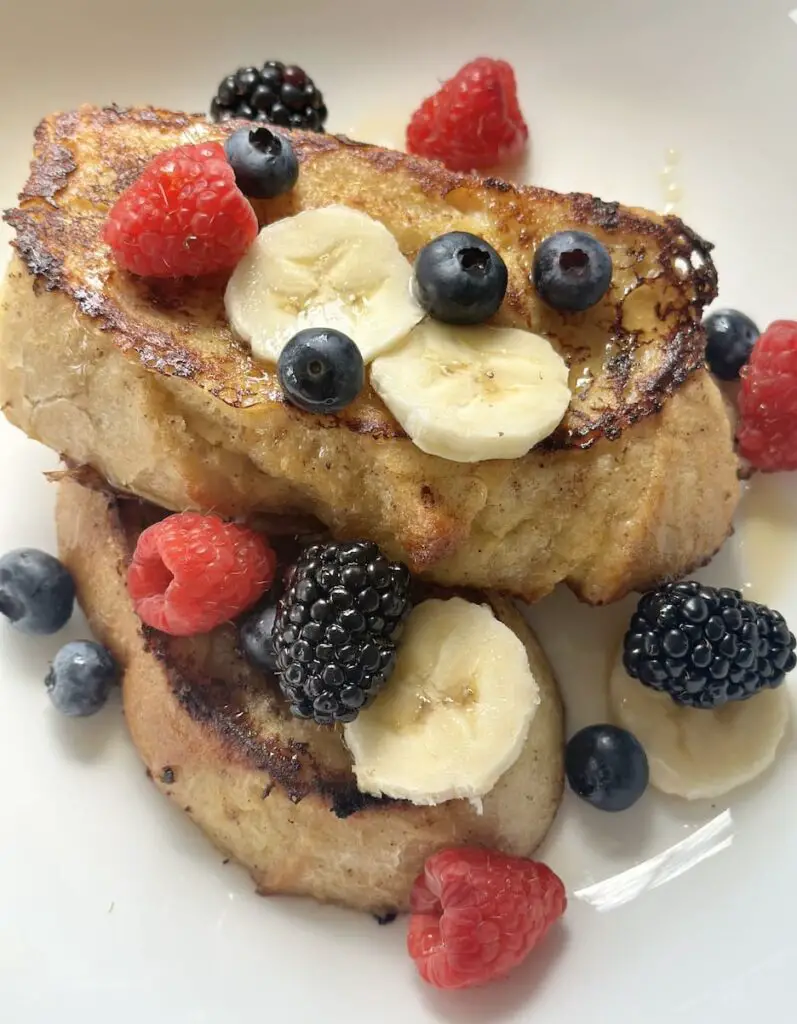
(80, 678)
(264, 162)
(730, 337)
(607, 767)
(321, 370)
(37, 594)
(255, 638)
(572, 270)
(460, 279)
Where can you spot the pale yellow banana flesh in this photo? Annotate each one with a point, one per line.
(699, 753)
(454, 715)
(470, 394)
(333, 267)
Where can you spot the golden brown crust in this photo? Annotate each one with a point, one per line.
(142, 381)
(621, 515)
(639, 344)
(275, 793)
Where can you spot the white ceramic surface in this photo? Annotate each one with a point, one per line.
(112, 906)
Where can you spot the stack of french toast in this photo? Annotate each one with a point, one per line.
(157, 406)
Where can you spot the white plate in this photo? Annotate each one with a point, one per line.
(113, 907)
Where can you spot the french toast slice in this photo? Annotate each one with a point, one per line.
(143, 380)
(276, 793)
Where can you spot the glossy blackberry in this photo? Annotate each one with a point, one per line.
(706, 646)
(335, 629)
(273, 94)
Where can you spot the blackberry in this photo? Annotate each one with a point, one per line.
(335, 629)
(705, 646)
(273, 94)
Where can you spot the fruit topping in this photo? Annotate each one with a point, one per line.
(456, 713)
(335, 268)
(607, 767)
(264, 162)
(37, 593)
(473, 393)
(572, 270)
(257, 642)
(460, 279)
(767, 433)
(477, 914)
(321, 370)
(730, 337)
(80, 678)
(704, 646)
(335, 626)
(190, 573)
(274, 94)
(697, 753)
(183, 217)
(473, 122)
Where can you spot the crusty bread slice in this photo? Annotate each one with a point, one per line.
(275, 793)
(143, 380)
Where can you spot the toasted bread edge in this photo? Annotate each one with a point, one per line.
(367, 860)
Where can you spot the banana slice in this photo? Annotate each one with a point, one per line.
(333, 267)
(456, 712)
(473, 393)
(697, 753)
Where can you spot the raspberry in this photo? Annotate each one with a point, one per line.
(191, 572)
(767, 433)
(183, 217)
(476, 914)
(474, 121)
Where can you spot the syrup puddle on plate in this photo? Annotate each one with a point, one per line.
(765, 526)
(381, 128)
(609, 860)
(672, 191)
